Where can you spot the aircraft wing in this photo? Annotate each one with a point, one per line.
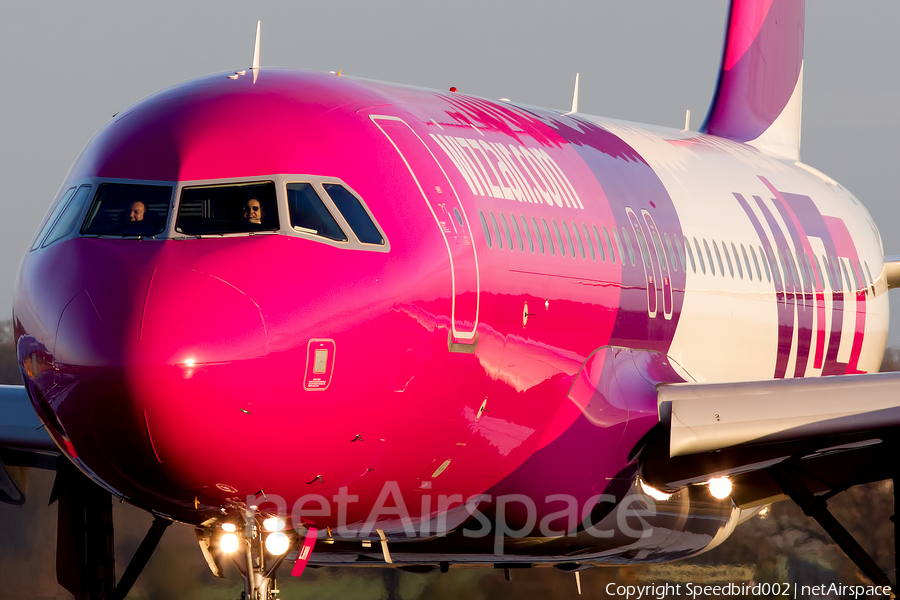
(831, 431)
(23, 442)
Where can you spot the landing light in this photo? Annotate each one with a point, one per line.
(277, 543)
(228, 543)
(654, 493)
(229, 527)
(720, 487)
(273, 524)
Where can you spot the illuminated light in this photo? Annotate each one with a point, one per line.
(273, 524)
(189, 362)
(764, 513)
(229, 527)
(228, 543)
(277, 543)
(654, 493)
(720, 487)
(453, 88)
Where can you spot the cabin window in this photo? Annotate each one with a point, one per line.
(309, 214)
(856, 279)
(538, 234)
(727, 258)
(659, 249)
(773, 264)
(68, 218)
(765, 263)
(559, 239)
(797, 271)
(609, 244)
(846, 275)
(528, 233)
(627, 239)
(550, 242)
(790, 277)
(578, 239)
(506, 230)
(242, 208)
(679, 250)
(642, 242)
(747, 262)
(690, 253)
(569, 239)
(719, 258)
(737, 260)
(496, 230)
(60, 206)
(590, 242)
(817, 272)
(700, 255)
(356, 216)
(599, 243)
(822, 272)
(515, 223)
(487, 231)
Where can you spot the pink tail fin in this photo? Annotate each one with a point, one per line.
(758, 97)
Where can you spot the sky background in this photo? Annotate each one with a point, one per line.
(70, 67)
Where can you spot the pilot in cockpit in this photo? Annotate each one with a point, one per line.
(253, 213)
(137, 211)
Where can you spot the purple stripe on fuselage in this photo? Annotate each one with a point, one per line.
(629, 181)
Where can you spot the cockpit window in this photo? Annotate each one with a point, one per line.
(232, 208)
(310, 215)
(63, 202)
(128, 209)
(68, 218)
(356, 216)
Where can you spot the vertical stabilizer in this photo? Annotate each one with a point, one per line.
(758, 97)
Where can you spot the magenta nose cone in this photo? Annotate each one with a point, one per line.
(141, 386)
(190, 317)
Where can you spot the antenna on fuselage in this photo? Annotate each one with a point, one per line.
(255, 66)
(574, 98)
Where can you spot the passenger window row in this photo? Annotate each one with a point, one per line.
(803, 270)
(570, 239)
(673, 252)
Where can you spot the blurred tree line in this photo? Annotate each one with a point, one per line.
(9, 370)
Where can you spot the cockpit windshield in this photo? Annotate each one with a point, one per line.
(128, 209)
(232, 208)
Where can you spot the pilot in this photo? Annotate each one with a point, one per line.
(137, 211)
(253, 213)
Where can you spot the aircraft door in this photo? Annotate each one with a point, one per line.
(449, 215)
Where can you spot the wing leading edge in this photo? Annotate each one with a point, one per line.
(839, 431)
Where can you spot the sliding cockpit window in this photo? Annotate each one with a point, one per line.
(231, 208)
(310, 215)
(355, 214)
(128, 209)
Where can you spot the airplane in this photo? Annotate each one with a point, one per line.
(339, 322)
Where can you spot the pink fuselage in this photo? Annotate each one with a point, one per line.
(177, 371)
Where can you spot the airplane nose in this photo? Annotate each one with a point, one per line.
(193, 317)
(139, 385)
